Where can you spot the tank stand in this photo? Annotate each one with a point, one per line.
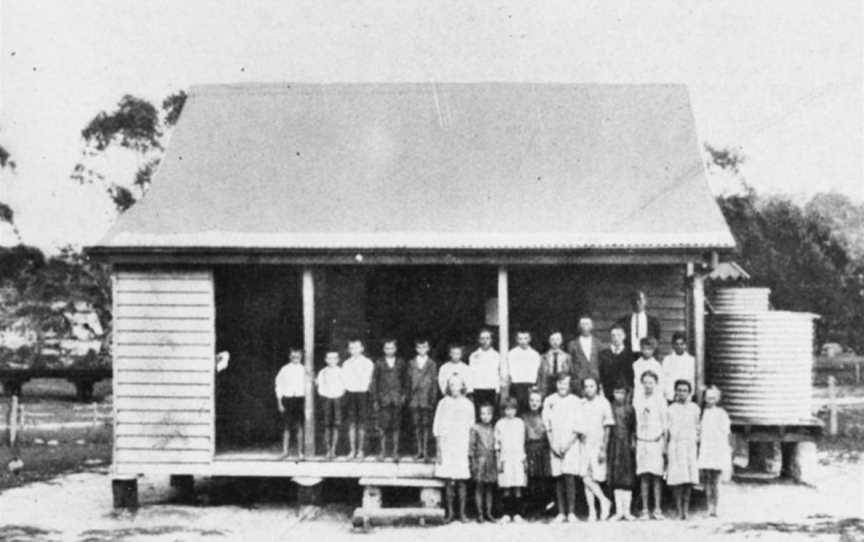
(779, 451)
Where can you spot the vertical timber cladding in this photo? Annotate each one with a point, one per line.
(543, 298)
(163, 370)
(665, 287)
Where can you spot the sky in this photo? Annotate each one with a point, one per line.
(782, 80)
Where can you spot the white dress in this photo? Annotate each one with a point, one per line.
(510, 444)
(454, 417)
(714, 451)
(564, 419)
(651, 425)
(598, 416)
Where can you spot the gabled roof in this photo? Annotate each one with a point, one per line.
(429, 166)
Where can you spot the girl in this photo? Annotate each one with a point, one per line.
(621, 464)
(682, 472)
(451, 427)
(483, 467)
(650, 443)
(536, 450)
(562, 416)
(598, 420)
(715, 452)
(510, 449)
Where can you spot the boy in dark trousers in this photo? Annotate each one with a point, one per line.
(422, 394)
(388, 397)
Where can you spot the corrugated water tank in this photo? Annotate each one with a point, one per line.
(740, 299)
(762, 362)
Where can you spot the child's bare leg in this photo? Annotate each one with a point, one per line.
(478, 500)
(685, 500)
(394, 437)
(559, 495)
(361, 444)
(352, 439)
(677, 495)
(592, 491)
(489, 500)
(570, 490)
(589, 498)
(299, 437)
(658, 496)
(714, 484)
(286, 440)
(382, 443)
(334, 442)
(645, 487)
(462, 488)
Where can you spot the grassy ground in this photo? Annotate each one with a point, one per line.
(47, 453)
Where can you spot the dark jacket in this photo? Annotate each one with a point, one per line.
(388, 385)
(584, 367)
(615, 369)
(422, 384)
(653, 327)
(546, 375)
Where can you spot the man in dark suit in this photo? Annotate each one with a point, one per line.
(584, 352)
(638, 324)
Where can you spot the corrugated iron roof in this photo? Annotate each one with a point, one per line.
(490, 165)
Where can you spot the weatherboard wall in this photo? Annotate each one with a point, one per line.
(164, 342)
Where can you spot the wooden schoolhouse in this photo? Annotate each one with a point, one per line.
(304, 214)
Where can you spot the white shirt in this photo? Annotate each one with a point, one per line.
(640, 366)
(291, 380)
(421, 361)
(451, 369)
(485, 368)
(677, 367)
(638, 330)
(585, 343)
(330, 383)
(357, 373)
(523, 365)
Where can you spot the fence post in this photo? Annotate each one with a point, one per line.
(832, 405)
(12, 420)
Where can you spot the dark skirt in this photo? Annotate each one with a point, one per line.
(484, 468)
(537, 457)
(621, 464)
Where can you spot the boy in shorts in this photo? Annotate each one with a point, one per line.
(291, 400)
(357, 376)
(331, 390)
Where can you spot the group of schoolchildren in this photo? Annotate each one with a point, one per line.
(610, 425)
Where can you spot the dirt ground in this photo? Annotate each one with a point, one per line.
(55, 501)
(77, 507)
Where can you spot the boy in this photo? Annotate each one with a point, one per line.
(485, 365)
(553, 363)
(523, 365)
(646, 362)
(388, 397)
(565, 427)
(598, 420)
(331, 389)
(584, 353)
(290, 387)
(616, 363)
(357, 375)
(422, 379)
(679, 365)
(454, 367)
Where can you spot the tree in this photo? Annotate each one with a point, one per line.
(137, 126)
(7, 215)
(800, 253)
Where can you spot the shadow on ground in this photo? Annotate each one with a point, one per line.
(849, 529)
